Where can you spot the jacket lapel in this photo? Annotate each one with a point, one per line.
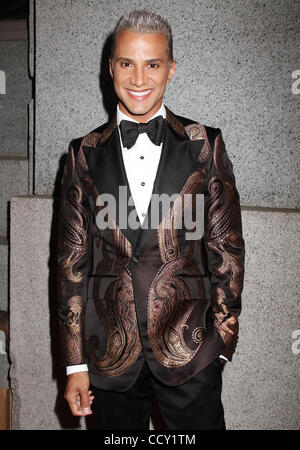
(178, 160)
(105, 163)
(106, 166)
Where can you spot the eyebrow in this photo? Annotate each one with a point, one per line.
(148, 61)
(154, 60)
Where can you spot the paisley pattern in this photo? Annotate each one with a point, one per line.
(117, 313)
(224, 239)
(170, 304)
(197, 132)
(169, 308)
(175, 123)
(75, 232)
(72, 252)
(73, 331)
(116, 308)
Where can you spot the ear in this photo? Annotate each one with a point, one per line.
(171, 71)
(110, 67)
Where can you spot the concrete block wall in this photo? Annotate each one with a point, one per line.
(30, 323)
(14, 130)
(3, 274)
(14, 181)
(14, 103)
(261, 385)
(15, 94)
(235, 71)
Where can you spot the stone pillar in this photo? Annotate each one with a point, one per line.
(261, 384)
(37, 380)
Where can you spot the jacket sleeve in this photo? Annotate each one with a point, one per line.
(73, 261)
(224, 245)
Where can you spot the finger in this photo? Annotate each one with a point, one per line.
(74, 405)
(91, 397)
(85, 403)
(228, 330)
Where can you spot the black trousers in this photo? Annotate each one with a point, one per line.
(195, 405)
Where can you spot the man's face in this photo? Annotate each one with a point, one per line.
(140, 70)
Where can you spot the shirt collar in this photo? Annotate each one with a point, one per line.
(122, 116)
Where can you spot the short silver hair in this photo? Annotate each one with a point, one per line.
(141, 21)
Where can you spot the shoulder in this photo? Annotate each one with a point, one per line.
(210, 132)
(94, 137)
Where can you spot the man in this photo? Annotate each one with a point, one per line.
(144, 309)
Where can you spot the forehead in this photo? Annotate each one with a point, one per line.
(139, 44)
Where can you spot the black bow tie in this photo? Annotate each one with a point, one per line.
(130, 131)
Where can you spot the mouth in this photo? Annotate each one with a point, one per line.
(139, 95)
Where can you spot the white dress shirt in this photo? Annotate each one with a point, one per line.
(141, 163)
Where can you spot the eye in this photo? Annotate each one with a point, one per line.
(125, 64)
(153, 65)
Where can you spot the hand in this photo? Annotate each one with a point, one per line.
(77, 394)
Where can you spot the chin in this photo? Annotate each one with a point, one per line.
(141, 109)
(137, 110)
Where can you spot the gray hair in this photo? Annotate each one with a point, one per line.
(144, 22)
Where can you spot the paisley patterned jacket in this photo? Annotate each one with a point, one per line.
(126, 295)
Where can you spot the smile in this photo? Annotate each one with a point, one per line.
(139, 95)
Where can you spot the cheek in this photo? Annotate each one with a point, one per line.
(118, 85)
(162, 81)
(119, 77)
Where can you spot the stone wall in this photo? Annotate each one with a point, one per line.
(15, 94)
(234, 71)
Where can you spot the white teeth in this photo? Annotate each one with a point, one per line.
(139, 94)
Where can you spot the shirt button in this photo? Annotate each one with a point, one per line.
(143, 183)
(141, 157)
(143, 214)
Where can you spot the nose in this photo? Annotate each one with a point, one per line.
(138, 77)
